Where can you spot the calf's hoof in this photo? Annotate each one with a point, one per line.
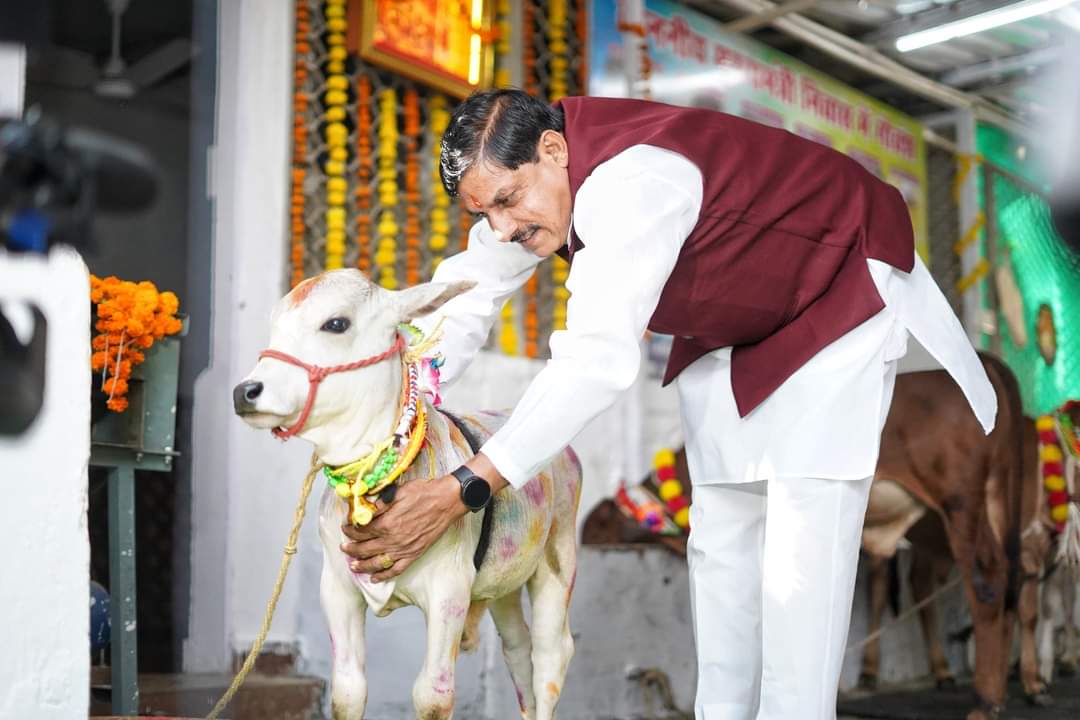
(1040, 698)
(986, 710)
(1066, 668)
(867, 681)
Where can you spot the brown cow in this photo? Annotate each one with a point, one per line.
(1037, 552)
(935, 457)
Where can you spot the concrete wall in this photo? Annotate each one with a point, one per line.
(44, 608)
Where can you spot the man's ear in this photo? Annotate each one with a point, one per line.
(552, 144)
(425, 299)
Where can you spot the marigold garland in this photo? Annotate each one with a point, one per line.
(559, 67)
(502, 44)
(528, 51)
(364, 173)
(439, 231)
(336, 134)
(583, 45)
(386, 252)
(1053, 459)
(532, 320)
(508, 335)
(670, 488)
(411, 113)
(131, 316)
(299, 159)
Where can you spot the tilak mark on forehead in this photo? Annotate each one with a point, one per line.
(301, 291)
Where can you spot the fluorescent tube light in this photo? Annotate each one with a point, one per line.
(978, 23)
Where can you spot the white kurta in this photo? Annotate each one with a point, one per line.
(633, 214)
(777, 517)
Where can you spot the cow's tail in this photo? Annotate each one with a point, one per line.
(1011, 420)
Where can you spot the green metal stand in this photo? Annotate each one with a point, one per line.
(125, 666)
(141, 438)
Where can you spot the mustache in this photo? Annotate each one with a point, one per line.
(524, 234)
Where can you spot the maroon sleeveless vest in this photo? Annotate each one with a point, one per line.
(776, 265)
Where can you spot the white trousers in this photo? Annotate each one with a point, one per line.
(772, 575)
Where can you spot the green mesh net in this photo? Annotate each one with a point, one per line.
(1047, 274)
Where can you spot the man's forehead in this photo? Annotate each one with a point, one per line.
(486, 189)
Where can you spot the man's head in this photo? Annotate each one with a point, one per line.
(505, 155)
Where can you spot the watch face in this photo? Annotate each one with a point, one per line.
(476, 493)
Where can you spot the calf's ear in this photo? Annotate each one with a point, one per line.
(425, 299)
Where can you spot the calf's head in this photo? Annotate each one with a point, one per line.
(334, 319)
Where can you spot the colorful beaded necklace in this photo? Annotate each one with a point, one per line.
(361, 480)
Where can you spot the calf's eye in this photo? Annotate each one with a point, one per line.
(336, 325)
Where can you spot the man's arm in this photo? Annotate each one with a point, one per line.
(498, 269)
(633, 215)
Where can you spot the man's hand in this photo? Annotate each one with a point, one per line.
(419, 515)
(405, 529)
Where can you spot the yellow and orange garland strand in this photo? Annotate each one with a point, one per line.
(364, 173)
(130, 318)
(559, 87)
(336, 134)
(670, 488)
(528, 52)
(532, 320)
(502, 44)
(299, 159)
(411, 112)
(439, 231)
(559, 73)
(386, 252)
(583, 49)
(1053, 459)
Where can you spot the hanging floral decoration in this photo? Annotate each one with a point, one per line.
(502, 44)
(582, 24)
(386, 253)
(439, 233)
(559, 67)
(336, 134)
(528, 51)
(131, 317)
(411, 112)
(300, 103)
(365, 172)
(532, 319)
(670, 488)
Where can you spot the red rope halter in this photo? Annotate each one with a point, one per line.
(317, 374)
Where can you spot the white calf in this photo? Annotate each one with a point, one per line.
(337, 319)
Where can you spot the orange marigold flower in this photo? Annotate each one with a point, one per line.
(169, 303)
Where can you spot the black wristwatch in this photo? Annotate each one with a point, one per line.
(475, 490)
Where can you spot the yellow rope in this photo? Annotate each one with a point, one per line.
(290, 550)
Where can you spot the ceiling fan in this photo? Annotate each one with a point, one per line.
(115, 78)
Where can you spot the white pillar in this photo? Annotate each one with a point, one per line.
(45, 606)
(244, 483)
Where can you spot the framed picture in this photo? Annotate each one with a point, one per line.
(446, 44)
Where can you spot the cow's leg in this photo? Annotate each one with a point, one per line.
(1032, 551)
(923, 572)
(983, 566)
(1069, 656)
(1049, 612)
(344, 609)
(878, 595)
(445, 609)
(517, 648)
(549, 593)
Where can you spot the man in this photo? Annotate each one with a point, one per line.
(787, 275)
